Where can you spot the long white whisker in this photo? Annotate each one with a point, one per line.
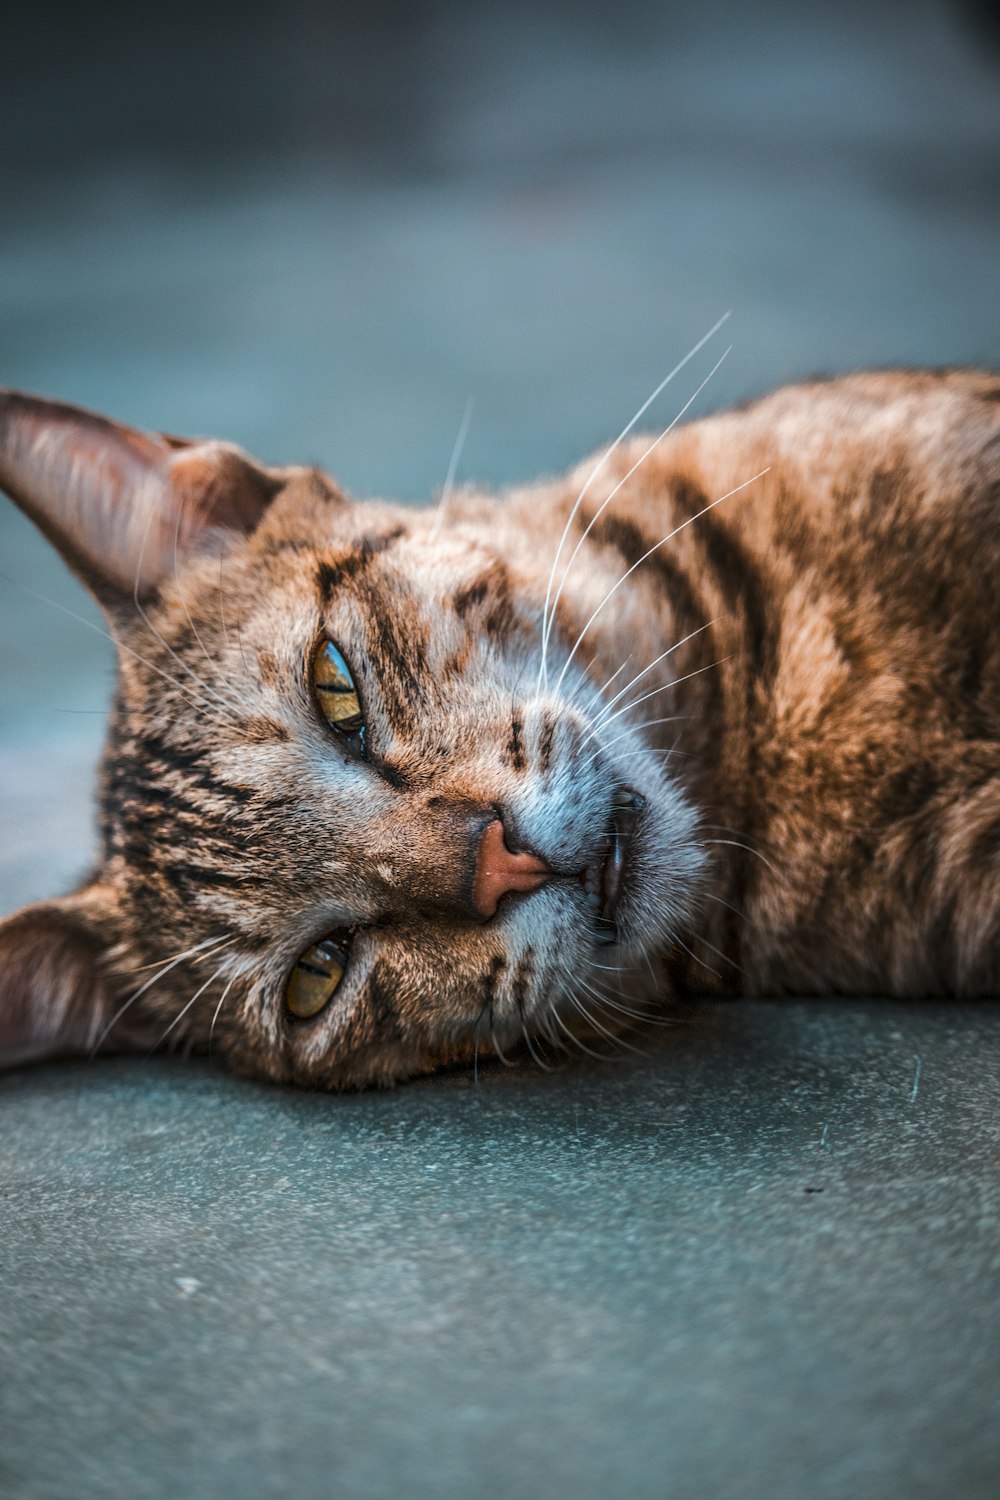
(613, 1037)
(711, 896)
(215, 698)
(546, 615)
(628, 707)
(639, 562)
(700, 961)
(161, 963)
(644, 1017)
(222, 596)
(456, 454)
(475, 1051)
(718, 953)
(218, 1009)
(600, 1057)
(735, 844)
(526, 1033)
(496, 1045)
(185, 693)
(625, 478)
(655, 663)
(180, 1016)
(620, 668)
(213, 942)
(604, 745)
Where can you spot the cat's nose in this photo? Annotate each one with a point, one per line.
(498, 871)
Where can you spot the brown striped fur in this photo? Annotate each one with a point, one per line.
(822, 810)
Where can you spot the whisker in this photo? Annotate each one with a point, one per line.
(655, 663)
(600, 1057)
(613, 1037)
(215, 943)
(676, 682)
(456, 454)
(603, 689)
(222, 593)
(185, 693)
(639, 749)
(584, 681)
(700, 961)
(496, 1047)
(239, 642)
(593, 1023)
(476, 1036)
(718, 952)
(711, 896)
(161, 963)
(180, 1016)
(218, 1009)
(736, 844)
(546, 614)
(624, 480)
(545, 1067)
(526, 1033)
(644, 1016)
(640, 1017)
(647, 554)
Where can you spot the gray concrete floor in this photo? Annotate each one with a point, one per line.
(761, 1262)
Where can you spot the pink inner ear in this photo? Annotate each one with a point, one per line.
(117, 502)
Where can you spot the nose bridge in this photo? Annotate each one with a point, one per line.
(434, 846)
(454, 857)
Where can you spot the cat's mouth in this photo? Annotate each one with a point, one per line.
(604, 878)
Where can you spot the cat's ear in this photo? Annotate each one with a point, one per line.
(54, 1001)
(118, 503)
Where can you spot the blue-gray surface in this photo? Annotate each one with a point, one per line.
(319, 235)
(762, 1262)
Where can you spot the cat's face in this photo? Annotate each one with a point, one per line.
(351, 830)
(281, 831)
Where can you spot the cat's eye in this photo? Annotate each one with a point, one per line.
(315, 978)
(336, 694)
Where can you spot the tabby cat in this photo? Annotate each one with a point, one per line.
(386, 788)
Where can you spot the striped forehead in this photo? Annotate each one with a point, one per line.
(392, 616)
(423, 621)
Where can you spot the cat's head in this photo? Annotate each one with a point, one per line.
(351, 826)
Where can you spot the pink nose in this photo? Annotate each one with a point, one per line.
(498, 871)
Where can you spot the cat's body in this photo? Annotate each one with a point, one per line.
(786, 717)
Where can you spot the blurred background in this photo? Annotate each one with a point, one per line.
(320, 229)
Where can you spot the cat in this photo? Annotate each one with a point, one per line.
(383, 788)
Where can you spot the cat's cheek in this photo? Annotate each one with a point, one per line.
(667, 870)
(549, 943)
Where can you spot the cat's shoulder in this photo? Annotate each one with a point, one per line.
(890, 390)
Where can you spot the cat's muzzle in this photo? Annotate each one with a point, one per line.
(604, 877)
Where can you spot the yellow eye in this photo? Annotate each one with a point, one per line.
(335, 691)
(314, 980)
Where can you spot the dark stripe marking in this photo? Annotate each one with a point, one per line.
(332, 575)
(515, 745)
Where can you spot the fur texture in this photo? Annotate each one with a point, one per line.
(800, 685)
